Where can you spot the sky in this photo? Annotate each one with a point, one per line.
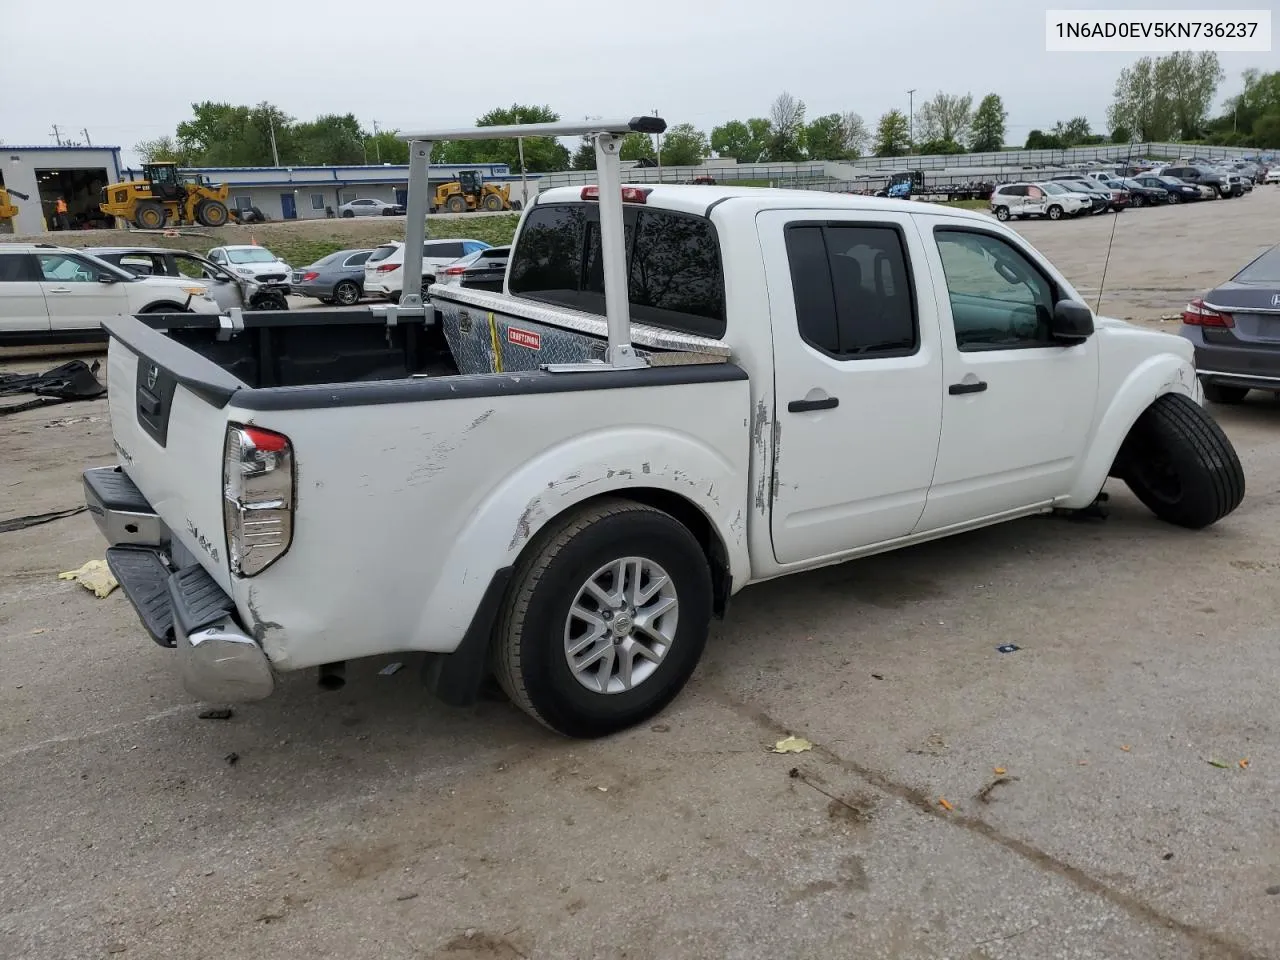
(408, 64)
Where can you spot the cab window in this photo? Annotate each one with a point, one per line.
(999, 299)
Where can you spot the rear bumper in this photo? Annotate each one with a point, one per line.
(1246, 365)
(316, 290)
(177, 601)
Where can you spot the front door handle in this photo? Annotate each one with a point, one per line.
(801, 406)
(59, 290)
(976, 387)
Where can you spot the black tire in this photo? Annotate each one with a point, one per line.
(348, 213)
(492, 202)
(1055, 212)
(528, 646)
(1137, 201)
(346, 293)
(164, 308)
(456, 204)
(1180, 464)
(272, 301)
(1220, 393)
(1002, 214)
(1175, 198)
(149, 215)
(212, 213)
(516, 205)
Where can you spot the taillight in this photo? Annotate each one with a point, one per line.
(388, 267)
(454, 271)
(629, 194)
(1196, 314)
(309, 276)
(257, 497)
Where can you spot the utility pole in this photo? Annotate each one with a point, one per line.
(85, 131)
(377, 146)
(56, 135)
(657, 140)
(275, 154)
(911, 118)
(524, 183)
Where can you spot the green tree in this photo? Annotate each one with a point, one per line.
(988, 130)
(892, 135)
(933, 147)
(1266, 131)
(1167, 96)
(584, 158)
(330, 140)
(635, 146)
(836, 136)
(1260, 96)
(785, 141)
(1039, 140)
(163, 149)
(945, 116)
(541, 154)
(1121, 134)
(386, 147)
(1073, 132)
(684, 145)
(744, 142)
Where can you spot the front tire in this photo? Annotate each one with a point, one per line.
(605, 619)
(1175, 198)
(456, 204)
(1002, 214)
(149, 215)
(212, 213)
(1055, 212)
(1180, 464)
(346, 293)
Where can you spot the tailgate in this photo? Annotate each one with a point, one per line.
(169, 420)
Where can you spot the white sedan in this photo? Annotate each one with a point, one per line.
(370, 208)
(1273, 175)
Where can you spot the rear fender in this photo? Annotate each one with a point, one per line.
(589, 465)
(1158, 375)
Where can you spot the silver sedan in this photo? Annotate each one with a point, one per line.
(370, 208)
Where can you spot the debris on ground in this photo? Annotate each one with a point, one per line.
(68, 421)
(407, 896)
(942, 802)
(984, 795)
(1167, 856)
(1000, 771)
(74, 380)
(1244, 763)
(792, 745)
(35, 519)
(1219, 764)
(1273, 891)
(216, 713)
(1125, 747)
(1007, 648)
(93, 576)
(390, 669)
(232, 758)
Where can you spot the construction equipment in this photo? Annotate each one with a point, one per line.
(162, 196)
(8, 209)
(470, 192)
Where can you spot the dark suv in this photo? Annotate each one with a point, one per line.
(1202, 176)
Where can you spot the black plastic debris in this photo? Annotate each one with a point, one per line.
(35, 519)
(1007, 648)
(74, 380)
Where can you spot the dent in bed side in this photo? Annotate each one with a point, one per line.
(602, 462)
(1146, 380)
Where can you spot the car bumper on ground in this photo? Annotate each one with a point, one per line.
(1228, 365)
(178, 602)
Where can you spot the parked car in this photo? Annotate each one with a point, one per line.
(252, 261)
(1200, 176)
(1272, 175)
(227, 289)
(506, 499)
(1015, 200)
(482, 270)
(384, 270)
(1100, 195)
(370, 208)
(53, 295)
(337, 278)
(1178, 191)
(1235, 328)
(1139, 196)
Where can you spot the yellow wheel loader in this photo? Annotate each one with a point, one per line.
(9, 209)
(162, 197)
(470, 192)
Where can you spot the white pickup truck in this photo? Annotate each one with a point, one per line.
(683, 390)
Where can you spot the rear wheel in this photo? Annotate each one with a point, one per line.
(605, 620)
(1002, 214)
(212, 213)
(456, 204)
(1219, 393)
(149, 215)
(1180, 464)
(1055, 212)
(348, 213)
(346, 293)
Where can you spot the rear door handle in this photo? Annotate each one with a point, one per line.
(801, 406)
(976, 387)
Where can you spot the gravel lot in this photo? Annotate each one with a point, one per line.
(368, 822)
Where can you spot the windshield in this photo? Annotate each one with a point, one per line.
(1171, 181)
(251, 255)
(1266, 269)
(1055, 188)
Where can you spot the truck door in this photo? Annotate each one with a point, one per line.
(857, 378)
(1017, 405)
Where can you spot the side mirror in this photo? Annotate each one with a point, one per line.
(1072, 322)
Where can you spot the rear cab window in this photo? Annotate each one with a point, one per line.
(675, 278)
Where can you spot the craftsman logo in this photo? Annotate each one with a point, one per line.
(153, 374)
(524, 338)
(1275, 299)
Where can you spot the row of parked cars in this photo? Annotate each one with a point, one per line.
(1117, 189)
(347, 276)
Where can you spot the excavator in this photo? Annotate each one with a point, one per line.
(162, 196)
(470, 192)
(9, 209)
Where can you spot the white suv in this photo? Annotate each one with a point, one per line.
(1012, 200)
(384, 270)
(54, 294)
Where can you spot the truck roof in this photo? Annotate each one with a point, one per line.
(699, 200)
